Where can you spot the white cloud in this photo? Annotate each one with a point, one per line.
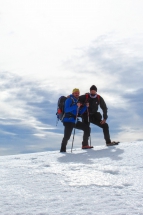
(38, 36)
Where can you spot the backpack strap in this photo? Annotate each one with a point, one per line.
(73, 101)
(86, 97)
(98, 97)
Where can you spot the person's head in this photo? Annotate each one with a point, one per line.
(76, 92)
(93, 90)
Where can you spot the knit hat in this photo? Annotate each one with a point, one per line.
(75, 90)
(93, 87)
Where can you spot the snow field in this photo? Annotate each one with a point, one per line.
(103, 180)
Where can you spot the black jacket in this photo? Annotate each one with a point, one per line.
(93, 104)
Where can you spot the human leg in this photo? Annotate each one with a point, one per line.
(86, 129)
(105, 128)
(85, 119)
(67, 133)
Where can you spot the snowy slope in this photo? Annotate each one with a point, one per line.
(91, 182)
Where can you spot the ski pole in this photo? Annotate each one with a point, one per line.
(88, 125)
(74, 128)
(57, 121)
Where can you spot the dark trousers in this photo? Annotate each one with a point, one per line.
(68, 131)
(95, 121)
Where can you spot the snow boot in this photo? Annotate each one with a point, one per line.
(87, 147)
(63, 148)
(113, 143)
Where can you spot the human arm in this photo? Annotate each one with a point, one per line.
(104, 109)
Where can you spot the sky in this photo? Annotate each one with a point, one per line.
(99, 181)
(49, 47)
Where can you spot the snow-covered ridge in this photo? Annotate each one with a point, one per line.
(103, 180)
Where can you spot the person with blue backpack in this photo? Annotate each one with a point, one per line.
(72, 110)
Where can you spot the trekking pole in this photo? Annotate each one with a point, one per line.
(57, 122)
(88, 125)
(74, 129)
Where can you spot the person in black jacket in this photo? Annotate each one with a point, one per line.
(93, 116)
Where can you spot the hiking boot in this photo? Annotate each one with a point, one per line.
(113, 143)
(87, 147)
(63, 146)
(62, 150)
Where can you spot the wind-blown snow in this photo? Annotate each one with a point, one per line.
(103, 180)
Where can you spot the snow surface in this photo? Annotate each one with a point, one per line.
(103, 180)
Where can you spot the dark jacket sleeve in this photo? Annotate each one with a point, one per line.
(82, 99)
(103, 107)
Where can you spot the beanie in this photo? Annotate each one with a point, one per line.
(93, 87)
(75, 90)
